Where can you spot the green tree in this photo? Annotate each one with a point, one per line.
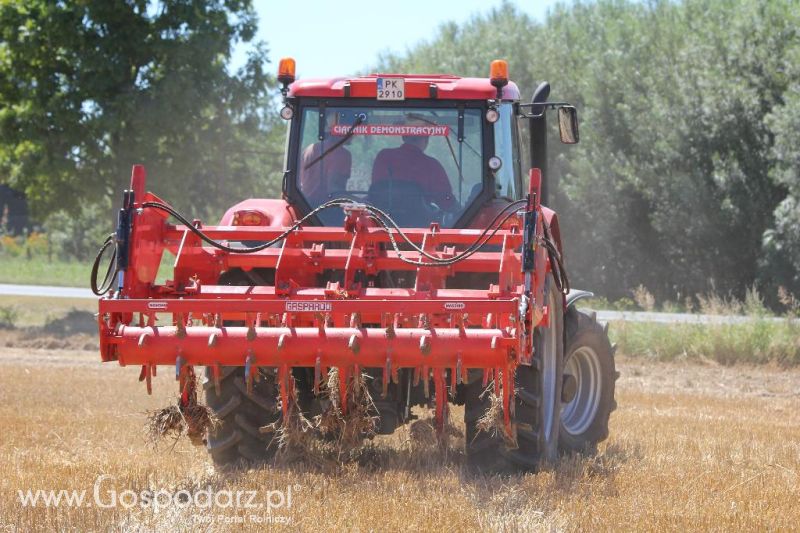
(89, 87)
(677, 180)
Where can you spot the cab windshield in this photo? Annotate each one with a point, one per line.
(407, 161)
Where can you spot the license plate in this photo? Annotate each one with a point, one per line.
(391, 89)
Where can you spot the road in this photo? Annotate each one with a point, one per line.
(602, 315)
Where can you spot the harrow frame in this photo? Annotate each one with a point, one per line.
(436, 331)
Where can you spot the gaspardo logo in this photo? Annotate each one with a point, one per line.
(265, 506)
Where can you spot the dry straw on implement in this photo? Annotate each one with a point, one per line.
(187, 418)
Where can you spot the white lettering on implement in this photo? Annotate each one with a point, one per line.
(434, 130)
(308, 307)
(454, 306)
(156, 305)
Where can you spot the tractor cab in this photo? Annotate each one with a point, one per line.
(424, 149)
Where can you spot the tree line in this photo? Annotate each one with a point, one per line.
(687, 177)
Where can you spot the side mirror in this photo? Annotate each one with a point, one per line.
(568, 124)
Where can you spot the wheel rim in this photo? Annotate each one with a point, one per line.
(549, 374)
(584, 365)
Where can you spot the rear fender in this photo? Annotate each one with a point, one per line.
(278, 212)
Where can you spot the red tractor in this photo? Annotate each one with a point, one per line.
(411, 246)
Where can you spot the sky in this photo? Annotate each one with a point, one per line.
(343, 38)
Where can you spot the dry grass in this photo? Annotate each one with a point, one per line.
(691, 447)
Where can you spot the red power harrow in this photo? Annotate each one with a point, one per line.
(438, 332)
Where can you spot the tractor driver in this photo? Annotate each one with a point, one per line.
(409, 163)
(324, 168)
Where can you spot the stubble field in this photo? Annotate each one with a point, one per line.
(691, 447)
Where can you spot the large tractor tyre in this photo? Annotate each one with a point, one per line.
(536, 405)
(590, 373)
(237, 437)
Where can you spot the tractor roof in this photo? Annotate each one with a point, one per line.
(418, 86)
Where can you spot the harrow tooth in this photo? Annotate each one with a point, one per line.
(440, 388)
(343, 377)
(248, 373)
(487, 377)
(425, 344)
(461, 325)
(508, 394)
(179, 362)
(215, 371)
(283, 380)
(217, 320)
(605, 328)
(390, 331)
(282, 341)
(180, 325)
(354, 344)
(142, 373)
(317, 373)
(426, 381)
(387, 374)
(497, 379)
(151, 371)
(143, 339)
(417, 373)
(613, 349)
(151, 319)
(593, 316)
(355, 321)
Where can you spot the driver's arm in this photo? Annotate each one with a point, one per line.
(439, 188)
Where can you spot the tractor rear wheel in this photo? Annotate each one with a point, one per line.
(536, 405)
(589, 365)
(237, 437)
